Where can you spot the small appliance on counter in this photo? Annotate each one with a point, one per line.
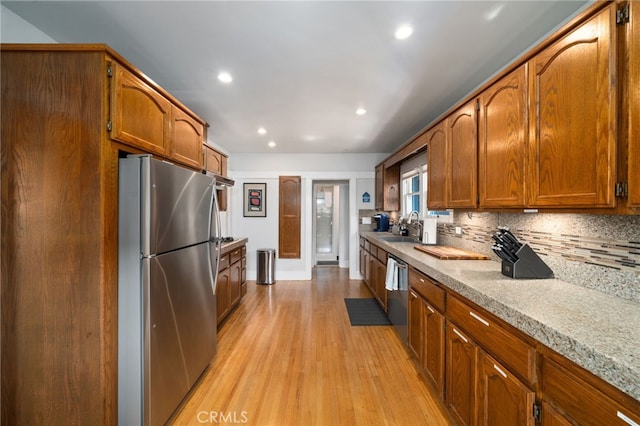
(382, 222)
(430, 230)
(518, 260)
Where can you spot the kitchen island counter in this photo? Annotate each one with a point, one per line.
(595, 330)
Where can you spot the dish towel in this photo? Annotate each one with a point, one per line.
(391, 283)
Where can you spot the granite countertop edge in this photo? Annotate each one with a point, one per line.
(232, 245)
(595, 330)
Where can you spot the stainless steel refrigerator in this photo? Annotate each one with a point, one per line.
(167, 264)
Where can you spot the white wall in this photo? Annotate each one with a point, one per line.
(263, 232)
(14, 29)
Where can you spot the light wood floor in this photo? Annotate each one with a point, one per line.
(289, 356)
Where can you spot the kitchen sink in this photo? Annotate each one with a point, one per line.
(398, 239)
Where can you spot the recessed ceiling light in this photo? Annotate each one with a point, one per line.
(361, 111)
(262, 130)
(225, 77)
(403, 32)
(271, 144)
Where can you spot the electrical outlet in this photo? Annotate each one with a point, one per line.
(458, 230)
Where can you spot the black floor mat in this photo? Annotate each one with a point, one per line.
(366, 311)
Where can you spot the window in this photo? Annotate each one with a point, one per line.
(414, 185)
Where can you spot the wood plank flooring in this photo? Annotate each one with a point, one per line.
(289, 356)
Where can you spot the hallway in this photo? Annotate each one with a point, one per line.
(289, 356)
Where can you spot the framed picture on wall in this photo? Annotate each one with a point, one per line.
(255, 199)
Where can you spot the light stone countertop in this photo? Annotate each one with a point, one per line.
(597, 331)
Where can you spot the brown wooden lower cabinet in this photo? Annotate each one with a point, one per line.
(581, 398)
(502, 399)
(433, 347)
(231, 281)
(489, 373)
(461, 365)
(374, 272)
(426, 340)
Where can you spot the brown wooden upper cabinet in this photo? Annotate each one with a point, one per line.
(462, 139)
(633, 97)
(437, 167)
(187, 136)
(452, 150)
(387, 187)
(143, 118)
(140, 115)
(572, 109)
(214, 161)
(502, 141)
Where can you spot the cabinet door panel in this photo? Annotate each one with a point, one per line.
(140, 116)
(461, 375)
(502, 399)
(222, 295)
(235, 280)
(433, 347)
(212, 160)
(572, 107)
(502, 142)
(463, 156)
(187, 136)
(437, 168)
(415, 324)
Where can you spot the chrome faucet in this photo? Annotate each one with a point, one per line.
(418, 226)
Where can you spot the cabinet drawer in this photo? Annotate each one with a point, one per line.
(367, 245)
(572, 394)
(427, 288)
(235, 255)
(515, 353)
(382, 256)
(224, 262)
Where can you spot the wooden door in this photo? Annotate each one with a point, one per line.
(462, 139)
(502, 399)
(437, 167)
(572, 107)
(461, 360)
(433, 347)
(289, 223)
(140, 116)
(633, 54)
(502, 141)
(187, 136)
(415, 324)
(222, 294)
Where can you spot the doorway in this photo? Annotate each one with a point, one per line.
(330, 224)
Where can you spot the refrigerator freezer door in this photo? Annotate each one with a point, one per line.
(181, 332)
(176, 206)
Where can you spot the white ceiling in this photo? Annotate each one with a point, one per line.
(302, 68)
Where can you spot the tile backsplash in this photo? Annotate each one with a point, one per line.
(594, 251)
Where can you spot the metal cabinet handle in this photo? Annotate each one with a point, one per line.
(482, 320)
(626, 419)
(431, 309)
(499, 370)
(460, 335)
